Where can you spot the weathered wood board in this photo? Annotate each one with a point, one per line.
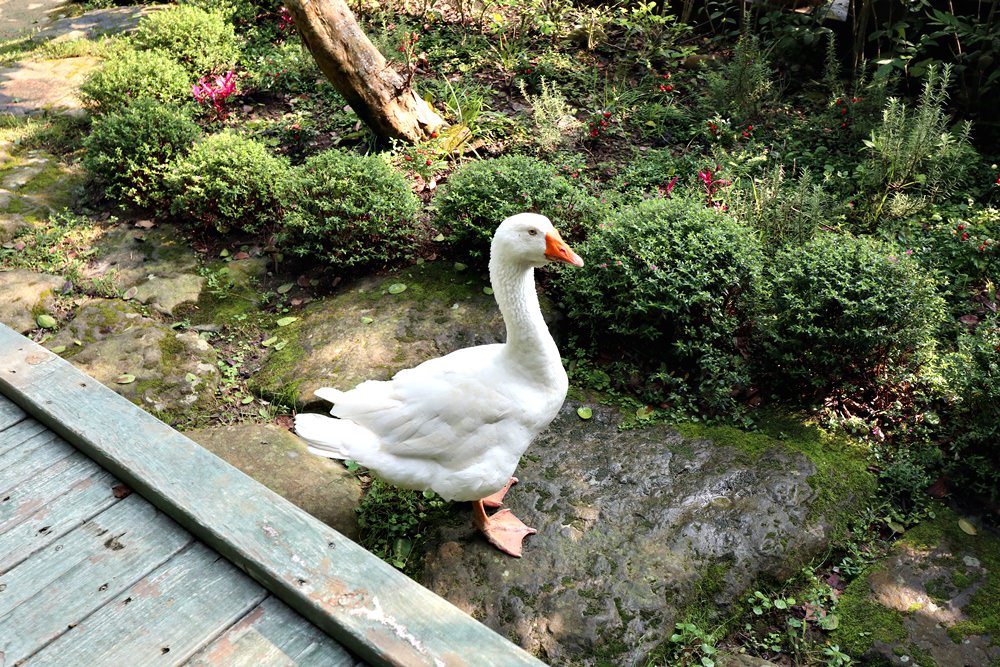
(84, 499)
(10, 414)
(272, 634)
(375, 611)
(78, 574)
(161, 619)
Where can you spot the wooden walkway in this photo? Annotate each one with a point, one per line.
(124, 543)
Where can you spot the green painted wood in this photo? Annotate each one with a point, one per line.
(375, 611)
(83, 499)
(164, 618)
(67, 581)
(30, 458)
(12, 438)
(10, 414)
(32, 494)
(273, 634)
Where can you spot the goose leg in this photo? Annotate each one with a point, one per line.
(496, 499)
(504, 530)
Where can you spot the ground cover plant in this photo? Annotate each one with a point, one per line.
(776, 213)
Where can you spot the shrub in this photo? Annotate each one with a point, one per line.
(227, 181)
(349, 210)
(913, 158)
(845, 309)
(202, 41)
(744, 84)
(670, 285)
(129, 75)
(129, 151)
(481, 194)
(973, 418)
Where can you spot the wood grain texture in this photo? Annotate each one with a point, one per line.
(65, 582)
(375, 611)
(32, 494)
(82, 500)
(273, 634)
(161, 619)
(10, 414)
(31, 457)
(12, 438)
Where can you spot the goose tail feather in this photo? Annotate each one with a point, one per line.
(333, 438)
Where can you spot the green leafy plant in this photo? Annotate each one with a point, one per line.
(671, 287)
(204, 42)
(481, 194)
(846, 310)
(128, 75)
(691, 646)
(744, 84)
(915, 158)
(227, 181)
(348, 210)
(393, 521)
(555, 122)
(130, 151)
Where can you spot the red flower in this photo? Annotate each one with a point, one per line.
(965, 236)
(607, 114)
(428, 163)
(960, 227)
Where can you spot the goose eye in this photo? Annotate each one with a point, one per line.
(533, 232)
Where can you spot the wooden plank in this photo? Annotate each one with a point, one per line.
(31, 457)
(32, 494)
(273, 634)
(64, 583)
(162, 619)
(83, 500)
(24, 430)
(375, 611)
(10, 414)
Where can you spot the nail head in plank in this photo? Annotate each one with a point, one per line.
(162, 619)
(82, 501)
(273, 634)
(69, 580)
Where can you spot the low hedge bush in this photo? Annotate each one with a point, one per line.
(129, 75)
(204, 42)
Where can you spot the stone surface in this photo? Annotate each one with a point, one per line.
(44, 86)
(26, 293)
(633, 526)
(174, 372)
(931, 586)
(20, 17)
(279, 460)
(92, 24)
(364, 332)
(157, 262)
(11, 224)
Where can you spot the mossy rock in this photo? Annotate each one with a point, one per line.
(935, 601)
(171, 374)
(637, 530)
(368, 331)
(26, 294)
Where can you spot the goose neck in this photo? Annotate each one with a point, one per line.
(514, 290)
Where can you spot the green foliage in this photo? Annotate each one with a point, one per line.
(392, 521)
(349, 210)
(973, 415)
(744, 84)
(481, 194)
(130, 151)
(916, 158)
(554, 120)
(227, 181)
(204, 42)
(691, 646)
(671, 284)
(129, 75)
(286, 67)
(784, 211)
(845, 309)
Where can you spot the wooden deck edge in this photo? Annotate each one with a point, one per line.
(362, 602)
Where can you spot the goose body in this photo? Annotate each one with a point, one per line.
(458, 424)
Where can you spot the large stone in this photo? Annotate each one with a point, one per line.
(25, 294)
(634, 527)
(93, 24)
(36, 87)
(157, 262)
(367, 333)
(174, 373)
(279, 460)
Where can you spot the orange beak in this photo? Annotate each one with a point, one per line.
(557, 250)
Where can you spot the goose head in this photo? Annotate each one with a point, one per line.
(530, 239)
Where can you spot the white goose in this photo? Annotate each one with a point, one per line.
(458, 424)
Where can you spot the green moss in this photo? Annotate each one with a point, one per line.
(842, 480)
(863, 621)
(275, 380)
